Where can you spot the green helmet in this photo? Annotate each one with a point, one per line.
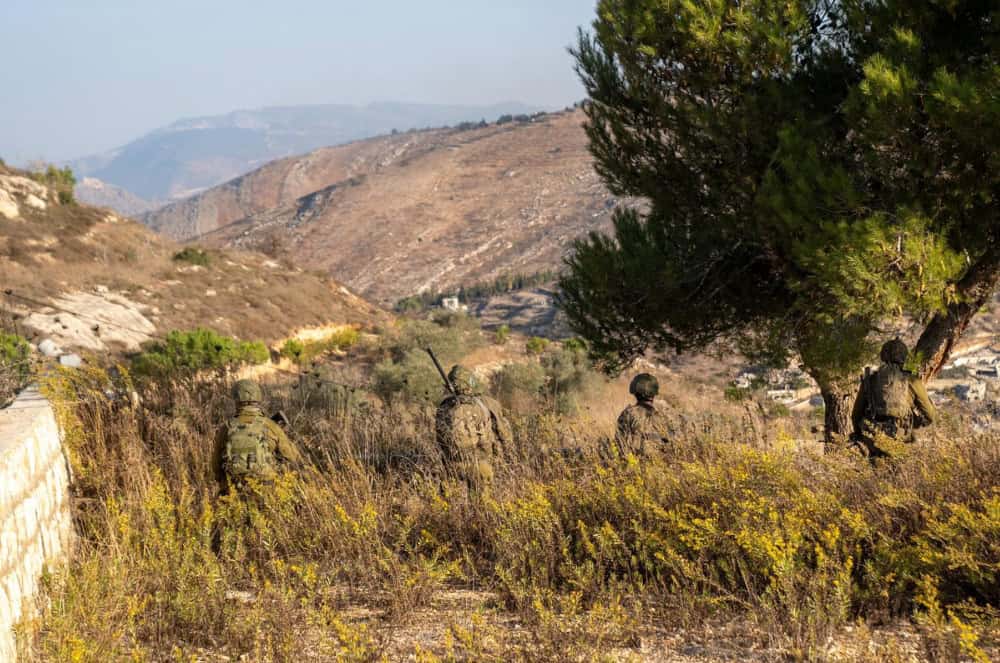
(247, 391)
(464, 381)
(644, 387)
(895, 352)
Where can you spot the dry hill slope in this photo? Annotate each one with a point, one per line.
(428, 210)
(90, 280)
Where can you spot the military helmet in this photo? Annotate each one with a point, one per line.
(644, 386)
(464, 381)
(895, 352)
(247, 391)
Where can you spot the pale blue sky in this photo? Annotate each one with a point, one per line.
(82, 76)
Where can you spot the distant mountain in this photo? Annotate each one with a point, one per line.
(426, 211)
(93, 191)
(195, 154)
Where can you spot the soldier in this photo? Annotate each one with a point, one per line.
(892, 401)
(250, 445)
(643, 422)
(471, 431)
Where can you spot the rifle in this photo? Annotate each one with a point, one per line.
(280, 418)
(444, 376)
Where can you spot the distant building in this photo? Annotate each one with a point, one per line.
(973, 392)
(453, 304)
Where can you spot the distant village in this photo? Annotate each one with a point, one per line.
(971, 378)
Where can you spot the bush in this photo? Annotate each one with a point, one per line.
(15, 365)
(502, 335)
(200, 349)
(536, 345)
(518, 386)
(193, 256)
(303, 352)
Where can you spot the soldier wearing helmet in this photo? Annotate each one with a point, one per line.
(250, 445)
(892, 401)
(471, 430)
(642, 427)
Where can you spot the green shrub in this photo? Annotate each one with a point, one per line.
(15, 364)
(199, 349)
(450, 335)
(293, 349)
(519, 385)
(413, 379)
(193, 256)
(502, 335)
(568, 375)
(536, 345)
(303, 352)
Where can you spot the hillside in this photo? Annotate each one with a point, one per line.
(418, 212)
(89, 280)
(194, 154)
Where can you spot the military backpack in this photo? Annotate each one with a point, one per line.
(891, 393)
(248, 453)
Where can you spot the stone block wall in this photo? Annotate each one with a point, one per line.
(36, 528)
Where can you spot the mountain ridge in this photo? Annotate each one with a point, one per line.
(427, 211)
(193, 154)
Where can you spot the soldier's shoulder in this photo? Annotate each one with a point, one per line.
(272, 430)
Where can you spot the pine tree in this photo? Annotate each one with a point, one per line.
(811, 170)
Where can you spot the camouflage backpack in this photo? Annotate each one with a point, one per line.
(891, 393)
(247, 450)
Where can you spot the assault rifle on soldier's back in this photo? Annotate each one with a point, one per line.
(444, 376)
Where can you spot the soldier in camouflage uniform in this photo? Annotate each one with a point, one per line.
(250, 445)
(643, 428)
(471, 430)
(892, 401)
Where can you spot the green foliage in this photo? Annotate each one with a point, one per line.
(811, 170)
(60, 178)
(501, 335)
(536, 345)
(519, 385)
(303, 352)
(199, 349)
(193, 256)
(406, 370)
(15, 364)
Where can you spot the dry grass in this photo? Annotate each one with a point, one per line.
(725, 550)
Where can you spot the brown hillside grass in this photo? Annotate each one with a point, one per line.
(723, 549)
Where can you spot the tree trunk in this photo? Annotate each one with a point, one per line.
(945, 329)
(838, 399)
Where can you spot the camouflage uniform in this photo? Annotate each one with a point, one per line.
(250, 444)
(891, 401)
(643, 428)
(471, 431)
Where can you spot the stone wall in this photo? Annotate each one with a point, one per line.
(35, 524)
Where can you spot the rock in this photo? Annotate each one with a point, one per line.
(49, 348)
(70, 361)
(102, 289)
(210, 293)
(8, 208)
(31, 200)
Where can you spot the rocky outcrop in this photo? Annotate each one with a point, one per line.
(37, 529)
(16, 190)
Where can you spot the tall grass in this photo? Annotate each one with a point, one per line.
(584, 553)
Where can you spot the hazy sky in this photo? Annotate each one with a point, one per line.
(82, 76)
